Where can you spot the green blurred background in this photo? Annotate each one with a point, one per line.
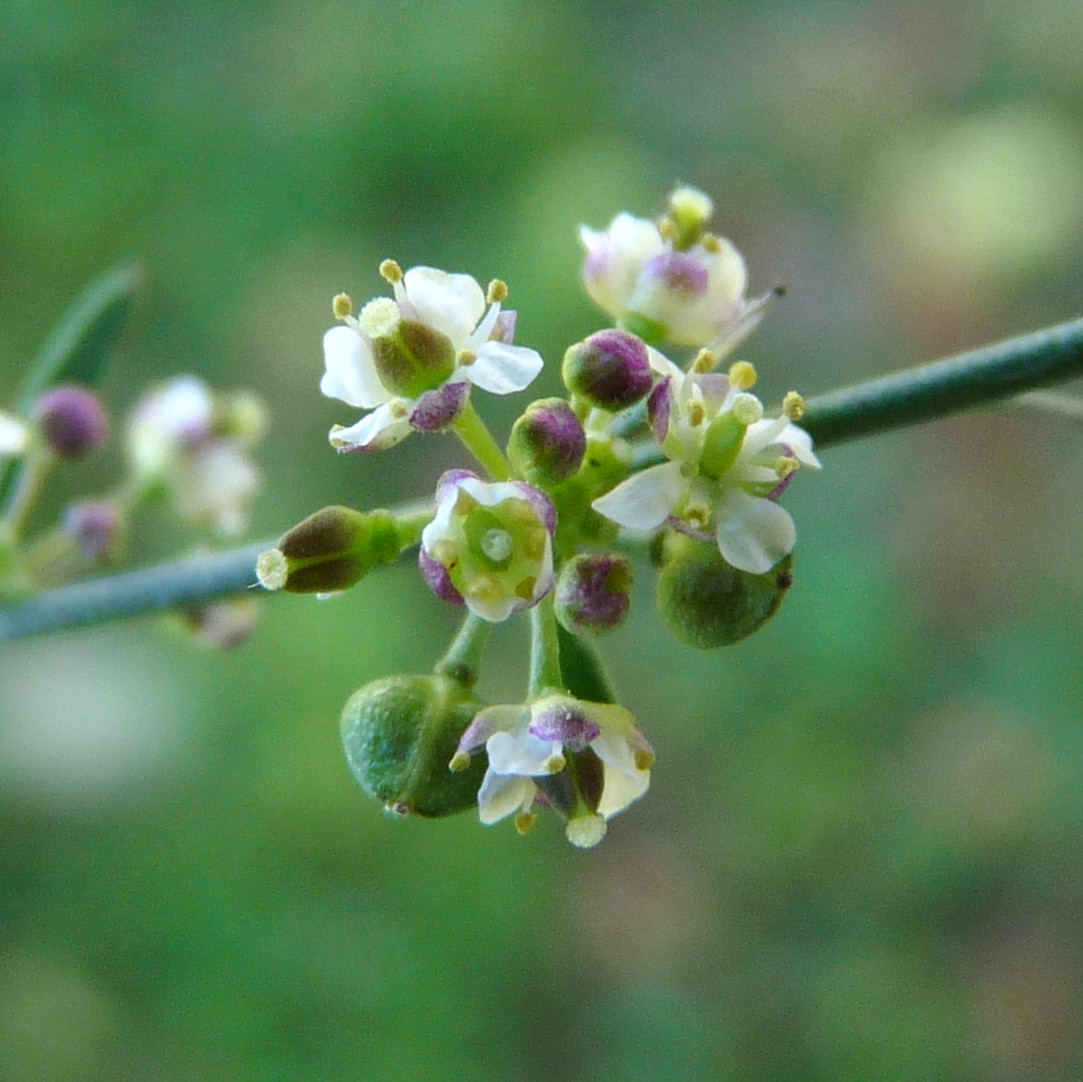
(861, 853)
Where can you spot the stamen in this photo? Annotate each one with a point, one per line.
(554, 764)
(793, 405)
(484, 588)
(705, 361)
(698, 515)
(697, 413)
(743, 375)
(390, 271)
(525, 821)
(342, 305)
(459, 761)
(397, 409)
(710, 243)
(785, 466)
(497, 292)
(466, 358)
(644, 760)
(668, 229)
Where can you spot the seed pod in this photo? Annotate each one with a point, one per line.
(401, 732)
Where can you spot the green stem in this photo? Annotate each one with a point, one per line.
(478, 440)
(544, 648)
(941, 388)
(29, 483)
(462, 662)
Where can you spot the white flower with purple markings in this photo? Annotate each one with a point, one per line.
(412, 360)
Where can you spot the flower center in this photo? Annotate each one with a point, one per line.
(496, 544)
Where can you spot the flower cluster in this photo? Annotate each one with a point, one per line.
(644, 442)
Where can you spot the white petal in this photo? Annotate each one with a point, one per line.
(452, 303)
(377, 431)
(663, 366)
(620, 789)
(350, 374)
(753, 534)
(800, 442)
(503, 369)
(14, 435)
(646, 499)
(520, 752)
(502, 794)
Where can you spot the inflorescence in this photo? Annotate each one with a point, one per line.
(644, 445)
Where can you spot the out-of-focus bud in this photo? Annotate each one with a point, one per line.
(547, 442)
(72, 421)
(593, 592)
(223, 625)
(401, 732)
(330, 551)
(610, 370)
(708, 603)
(96, 526)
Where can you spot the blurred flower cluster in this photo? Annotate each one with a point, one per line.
(667, 455)
(187, 450)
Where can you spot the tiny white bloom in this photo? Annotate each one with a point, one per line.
(412, 360)
(727, 467)
(527, 743)
(14, 436)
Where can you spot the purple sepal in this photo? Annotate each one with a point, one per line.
(504, 328)
(680, 273)
(438, 409)
(438, 578)
(566, 723)
(449, 481)
(659, 406)
(543, 506)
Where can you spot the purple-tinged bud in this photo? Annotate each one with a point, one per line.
(547, 442)
(72, 421)
(610, 370)
(593, 592)
(96, 526)
(222, 625)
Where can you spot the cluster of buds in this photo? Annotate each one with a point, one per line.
(183, 442)
(645, 446)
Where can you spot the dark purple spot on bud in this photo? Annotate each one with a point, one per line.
(72, 421)
(679, 273)
(564, 722)
(438, 409)
(95, 526)
(438, 578)
(593, 591)
(547, 443)
(609, 369)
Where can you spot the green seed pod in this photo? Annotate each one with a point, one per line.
(706, 602)
(401, 732)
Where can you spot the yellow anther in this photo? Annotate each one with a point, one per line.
(464, 503)
(497, 292)
(698, 515)
(459, 761)
(524, 822)
(466, 357)
(397, 409)
(668, 229)
(342, 305)
(533, 544)
(711, 243)
(524, 590)
(785, 466)
(390, 271)
(445, 552)
(644, 760)
(705, 361)
(793, 405)
(520, 510)
(743, 375)
(688, 202)
(484, 588)
(697, 413)
(555, 764)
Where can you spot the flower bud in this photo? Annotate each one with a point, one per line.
(709, 603)
(222, 625)
(401, 732)
(330, 551)
(610, 370)
(547, 442)
(96, 526)
(593, 592)
(72, 421)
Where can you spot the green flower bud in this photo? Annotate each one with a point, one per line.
(330, 551)
(709, 603)
(401, 732)
(547, 443)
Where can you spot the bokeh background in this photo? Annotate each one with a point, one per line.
(861, 854)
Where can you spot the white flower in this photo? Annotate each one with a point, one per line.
(691, 293)
(14, 436)
(195, 443)
(727, 467)
(528, 745)
(490, 545)
(412, 360)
